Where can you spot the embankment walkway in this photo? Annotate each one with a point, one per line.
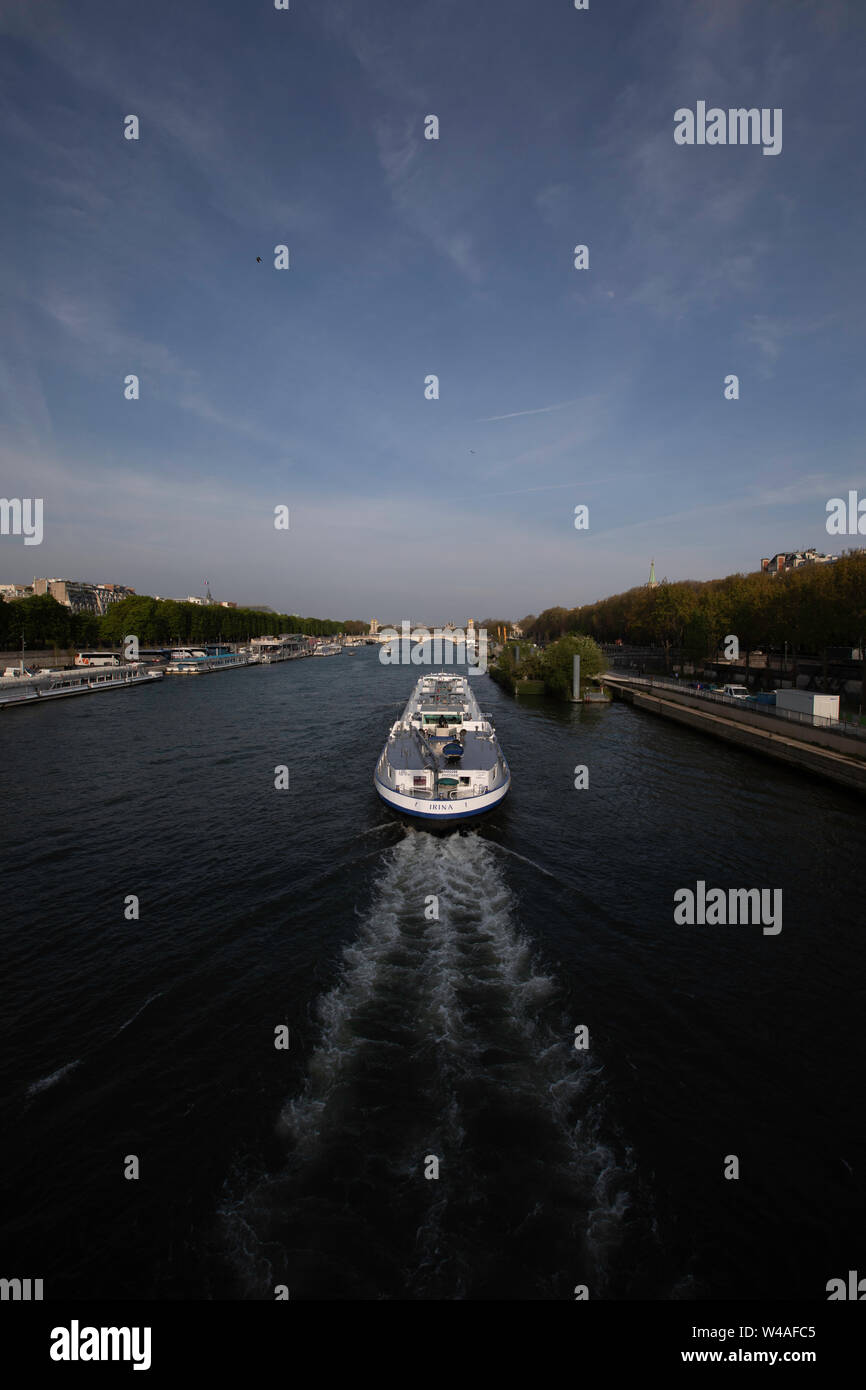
(840, 756)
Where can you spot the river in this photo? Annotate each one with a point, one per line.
(415, 1037)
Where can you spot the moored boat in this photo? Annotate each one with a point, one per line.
(57, 685)
(265, 651)
(193, 661)
(198, 665)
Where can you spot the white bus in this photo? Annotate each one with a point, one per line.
(97, 659)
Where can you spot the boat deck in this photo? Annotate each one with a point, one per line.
(408, 750)
(416, 769)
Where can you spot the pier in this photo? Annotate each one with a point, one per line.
(835, 751)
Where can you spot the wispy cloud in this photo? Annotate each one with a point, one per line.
(412, 256)
(513, 415)
(430, 199)
(770, 335)
(812, 488)
(575, 483)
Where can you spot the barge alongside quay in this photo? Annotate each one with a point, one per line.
(32, 688)
(193, 661)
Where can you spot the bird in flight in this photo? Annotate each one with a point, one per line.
(259, 259)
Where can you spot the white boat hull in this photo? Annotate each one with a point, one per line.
(425, 808)
(202, 666)
(442, 761)
(37, 694)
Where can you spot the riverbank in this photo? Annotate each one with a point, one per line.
(836, 755)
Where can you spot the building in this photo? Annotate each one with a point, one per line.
(652, 582)
(14, 591)
(374, 628)
(795, 559)
(82, 596)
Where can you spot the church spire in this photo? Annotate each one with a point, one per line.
(653, 582)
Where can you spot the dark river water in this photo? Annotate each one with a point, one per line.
(412, 1038)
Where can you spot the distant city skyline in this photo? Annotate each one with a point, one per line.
(412, 258)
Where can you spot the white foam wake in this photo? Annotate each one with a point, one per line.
(46, 1082)
(442, 1037)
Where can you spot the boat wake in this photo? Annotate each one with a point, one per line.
(123, 1027)
(46, 1082)
(441, 1044)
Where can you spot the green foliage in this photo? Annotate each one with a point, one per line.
(502, 676)
(554, 666)
(813, 607)
(557, 663)
(502, 670)
(165, 621)
(494, 628)
(526, 661)
(43, 622)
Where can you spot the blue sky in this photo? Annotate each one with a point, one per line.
(409, 257)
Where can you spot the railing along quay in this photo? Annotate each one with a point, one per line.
(812, 721)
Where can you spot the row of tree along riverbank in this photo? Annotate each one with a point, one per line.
(41, 621)
(807, 609)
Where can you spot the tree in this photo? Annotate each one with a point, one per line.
(812, 607)
(557, 663)
(673, 609)
(40, 620)
(550, 624)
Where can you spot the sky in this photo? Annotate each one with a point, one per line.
(410, 257)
